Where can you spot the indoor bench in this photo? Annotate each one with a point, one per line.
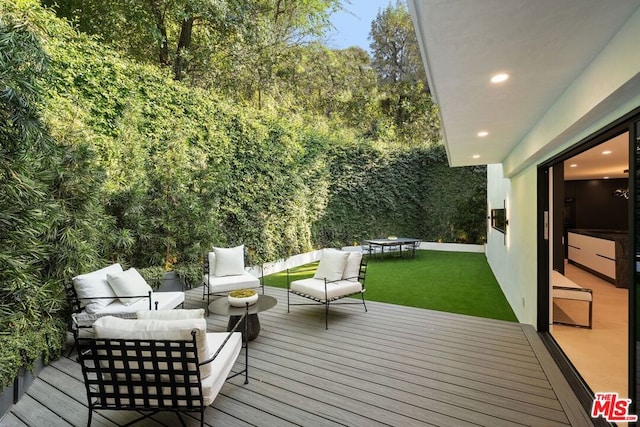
(565, 288)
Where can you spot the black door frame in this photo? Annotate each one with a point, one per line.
(577, 383)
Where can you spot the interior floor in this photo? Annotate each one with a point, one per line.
(599, 354)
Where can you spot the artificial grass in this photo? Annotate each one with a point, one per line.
(455, 282)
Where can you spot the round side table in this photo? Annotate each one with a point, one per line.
(221, 306)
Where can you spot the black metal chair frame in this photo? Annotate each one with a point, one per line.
(147, 375)
(328, 301)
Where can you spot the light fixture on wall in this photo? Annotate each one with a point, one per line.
(621, 192)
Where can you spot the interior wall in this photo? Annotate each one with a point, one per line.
(592, 205)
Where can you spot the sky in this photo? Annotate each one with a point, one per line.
(354, 24)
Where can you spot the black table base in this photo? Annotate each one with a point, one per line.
(253, 327)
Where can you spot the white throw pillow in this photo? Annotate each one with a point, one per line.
(229, 261)
(178, 314)
(332, 264)
(148, 329)
(352, 269)
(95, 284)
(129, 286)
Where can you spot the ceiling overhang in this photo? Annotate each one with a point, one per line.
(544, 45)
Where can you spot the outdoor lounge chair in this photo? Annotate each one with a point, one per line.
(339, 275)
(166, 361)
(224, 271)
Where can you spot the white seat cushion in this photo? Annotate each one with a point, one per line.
(221, 284)
(315, 288)
(89, 286)
(197, 313)
(165, 300)
(222, 364)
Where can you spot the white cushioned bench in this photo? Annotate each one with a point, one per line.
(111, 291)
(565, 288)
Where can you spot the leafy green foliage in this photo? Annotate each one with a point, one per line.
(33, 230)
(378, 192)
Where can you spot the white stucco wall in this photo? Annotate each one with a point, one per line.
(607, 89)
(514, 259)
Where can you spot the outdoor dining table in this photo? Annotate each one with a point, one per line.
(390, 242)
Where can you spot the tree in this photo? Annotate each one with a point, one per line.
(396, 54)
(203, 40)
(396, 59)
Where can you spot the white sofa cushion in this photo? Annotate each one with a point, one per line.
(151, 329)
(315, 288)
(332, 264)
(89, 286)
(129, 286)
(197, 313)
(224, 284)
(165, 301)
(222, 364)
(229, 261)
(352, 269)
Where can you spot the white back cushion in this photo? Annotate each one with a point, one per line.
(95, 284)
(128, 284)
(212, 263)
(229, 261)
(151, 329)
(332, 264)
(352, 269)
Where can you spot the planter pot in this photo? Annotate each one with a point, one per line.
(26, 378)
(172, 283)
(242, 302)
(7, 399)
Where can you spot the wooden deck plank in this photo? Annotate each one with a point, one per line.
(392, 365)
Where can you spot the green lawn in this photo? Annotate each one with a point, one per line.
(454, 282)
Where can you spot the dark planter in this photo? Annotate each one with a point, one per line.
(172, 282)
(27, 377)
(7, 399)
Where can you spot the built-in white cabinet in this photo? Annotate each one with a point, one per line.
(594, 253)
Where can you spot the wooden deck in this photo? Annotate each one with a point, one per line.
(391, 366)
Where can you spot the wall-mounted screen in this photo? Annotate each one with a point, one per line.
(499, 219)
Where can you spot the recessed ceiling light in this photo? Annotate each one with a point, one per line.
(606, 152)
(476, 156)
(573, 165)
(606, 177)
(483, 133)
(499, 78)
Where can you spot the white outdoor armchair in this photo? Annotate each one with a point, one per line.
(339, 275)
